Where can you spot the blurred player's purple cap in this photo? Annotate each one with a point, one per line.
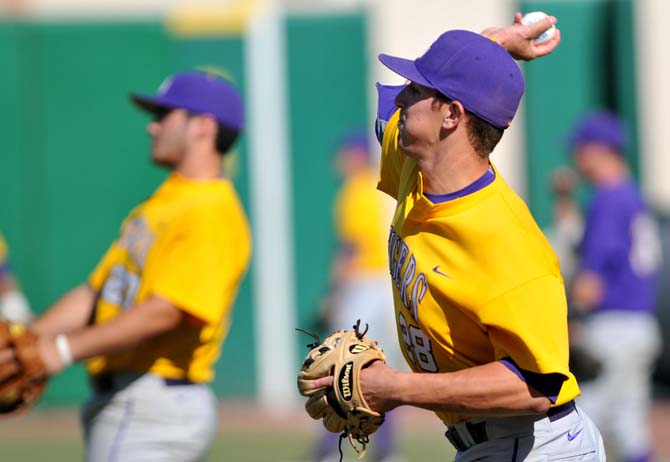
(355, 139)
(600, 127)
(198, 93)
(470, 68)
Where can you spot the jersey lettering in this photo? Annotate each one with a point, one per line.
(137, 239)
(408, 276)
(404, 251)
(394, 242)
(120, 287)
(122, 284)
(402, 266)
(404, 330)
(417, 346)
(418, 292)
(645, 250)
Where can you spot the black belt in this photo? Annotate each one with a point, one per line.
(478, 434)
(177, 382)
(557, 412)
(105, 383)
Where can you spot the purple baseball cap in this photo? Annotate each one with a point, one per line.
(354, 141)
(600, 127)
(470, 68)
(198, 93)
(355, 138)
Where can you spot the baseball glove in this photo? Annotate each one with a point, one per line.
(23, 375)
(342, 407)
(584, 366)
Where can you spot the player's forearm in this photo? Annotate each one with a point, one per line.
(7, 282)
(518, 39)
(587, 290)
(140, 323)
(491, 389)
(71, 312)
(343, 263)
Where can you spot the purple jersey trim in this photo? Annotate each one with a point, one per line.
(547, 384)
(483, 181)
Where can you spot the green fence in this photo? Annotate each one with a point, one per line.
(592, 68)
(75, 151)
(328, 93)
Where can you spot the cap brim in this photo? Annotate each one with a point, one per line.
(405, 68)
(150, 104)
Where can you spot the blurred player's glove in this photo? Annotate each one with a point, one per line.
(342, 407)
(583, 365)
(22, 373)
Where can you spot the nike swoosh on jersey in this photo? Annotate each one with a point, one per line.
(573, 436)
(437, 270)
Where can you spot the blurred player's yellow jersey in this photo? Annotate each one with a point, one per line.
(190, 244)
(3, 251)
(474, 279)
(361, 217)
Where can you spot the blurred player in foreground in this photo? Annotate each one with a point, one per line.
(568, 224)
(13, 303)
(359, 283)
(616, 287)
(153, 314)
(564, 235)
(480, 302)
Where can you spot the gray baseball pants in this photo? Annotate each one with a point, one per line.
(570, 437)
(143, 417)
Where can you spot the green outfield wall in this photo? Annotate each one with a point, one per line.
(75, 151)
(328, 94)
(594, 67)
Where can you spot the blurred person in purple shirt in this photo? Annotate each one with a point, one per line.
(615, 287)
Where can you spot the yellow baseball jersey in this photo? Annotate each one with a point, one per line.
(188, 243)
(3, 251)
(474, 279)
(4, 259)
(361, 220)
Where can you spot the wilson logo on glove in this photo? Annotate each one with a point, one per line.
(358, 348)
(344, 381)
(341, 407)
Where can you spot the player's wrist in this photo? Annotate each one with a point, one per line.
(54, 357)
(64, 349)
(402, 388)
(383, 386)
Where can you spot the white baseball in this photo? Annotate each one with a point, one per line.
(532, 18)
